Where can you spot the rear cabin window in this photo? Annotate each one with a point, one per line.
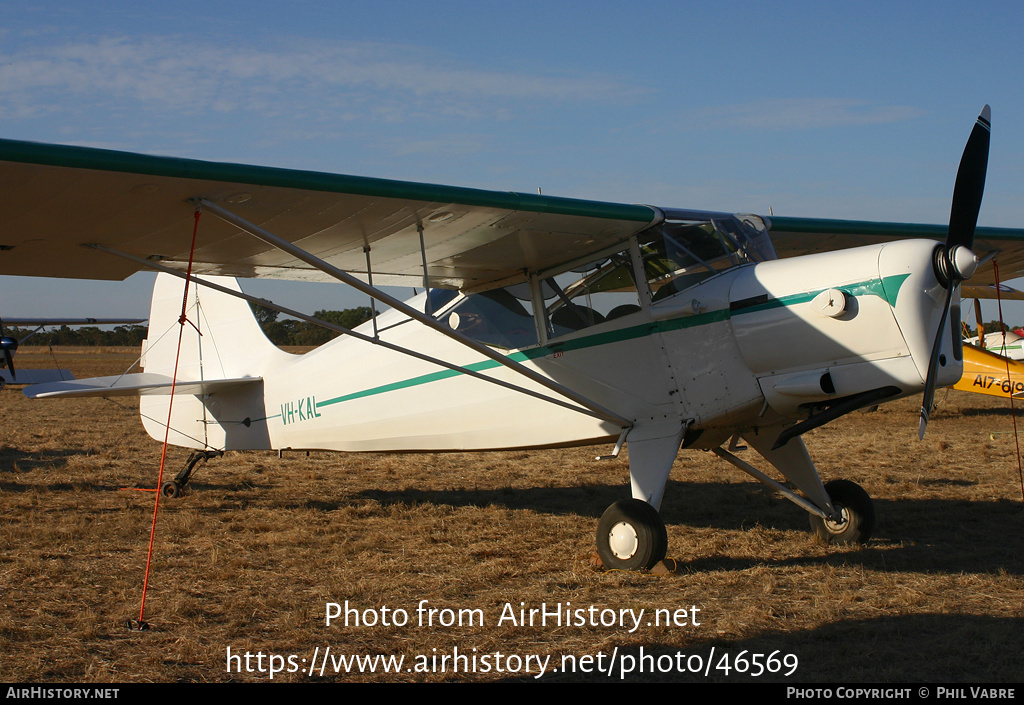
(501, 317)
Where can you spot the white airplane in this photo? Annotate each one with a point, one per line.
(545, 322)
(1008, 344)
(9, 345)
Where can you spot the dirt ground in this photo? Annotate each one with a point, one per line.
(440, 559)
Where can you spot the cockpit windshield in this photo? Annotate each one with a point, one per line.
(591, 293)
(681, 253)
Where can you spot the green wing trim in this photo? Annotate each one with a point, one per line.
(802, 236)
(58, 197)
(175, 167)
(883, 230)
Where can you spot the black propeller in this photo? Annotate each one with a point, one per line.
(8, 345)
(954, 261)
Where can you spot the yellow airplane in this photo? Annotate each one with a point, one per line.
(988, 373)
(992, 361)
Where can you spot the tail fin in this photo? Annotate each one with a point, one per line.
(220, 340)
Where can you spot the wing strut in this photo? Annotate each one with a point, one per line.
(426, 276)
(343, 276)
(373, 301)
(375, 339)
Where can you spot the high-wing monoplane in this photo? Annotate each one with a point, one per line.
(544, 322)
(9, 346)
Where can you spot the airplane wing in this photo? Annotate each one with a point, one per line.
(803, 236)
(57, 198)
(989, 291)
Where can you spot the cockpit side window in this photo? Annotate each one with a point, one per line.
(596, 292)
(586, 295)
(685, 249)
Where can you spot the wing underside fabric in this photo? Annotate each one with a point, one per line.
(57, 199)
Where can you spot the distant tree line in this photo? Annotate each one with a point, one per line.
(294, 332)
(129, 335)
(286, 332)
(280, 332)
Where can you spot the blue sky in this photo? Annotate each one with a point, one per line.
(845, 110)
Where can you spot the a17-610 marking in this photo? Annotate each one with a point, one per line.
(988, 381)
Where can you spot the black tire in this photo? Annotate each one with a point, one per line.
(857, 509)
(171, 490)
(631, 536)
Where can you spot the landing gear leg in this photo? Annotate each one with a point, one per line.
(176, 487)
(841, 511)
(631, 536)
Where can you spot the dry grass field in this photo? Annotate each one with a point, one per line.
(250, 559)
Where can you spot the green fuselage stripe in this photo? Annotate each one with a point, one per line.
(886, 289)
(872, 287)
(589, 341)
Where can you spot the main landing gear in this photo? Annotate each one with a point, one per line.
(631, 536)
(175, 488)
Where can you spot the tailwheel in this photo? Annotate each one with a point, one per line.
(172, 489)
(631, 536)
(857, 510)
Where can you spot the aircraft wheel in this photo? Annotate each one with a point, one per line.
(171, 490)
(631, 536)
(858, 512)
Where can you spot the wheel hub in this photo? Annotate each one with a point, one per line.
(837, 527)
(623, 540)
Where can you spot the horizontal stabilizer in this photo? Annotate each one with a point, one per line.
(138, 384)
(35, 376)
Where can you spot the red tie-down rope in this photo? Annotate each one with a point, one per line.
(141, 625)
(1013, 414)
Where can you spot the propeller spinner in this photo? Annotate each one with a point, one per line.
(954, 261)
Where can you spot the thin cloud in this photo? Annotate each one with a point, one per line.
(318, 79)
(799, 114)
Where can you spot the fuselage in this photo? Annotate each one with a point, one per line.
(757, 343)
